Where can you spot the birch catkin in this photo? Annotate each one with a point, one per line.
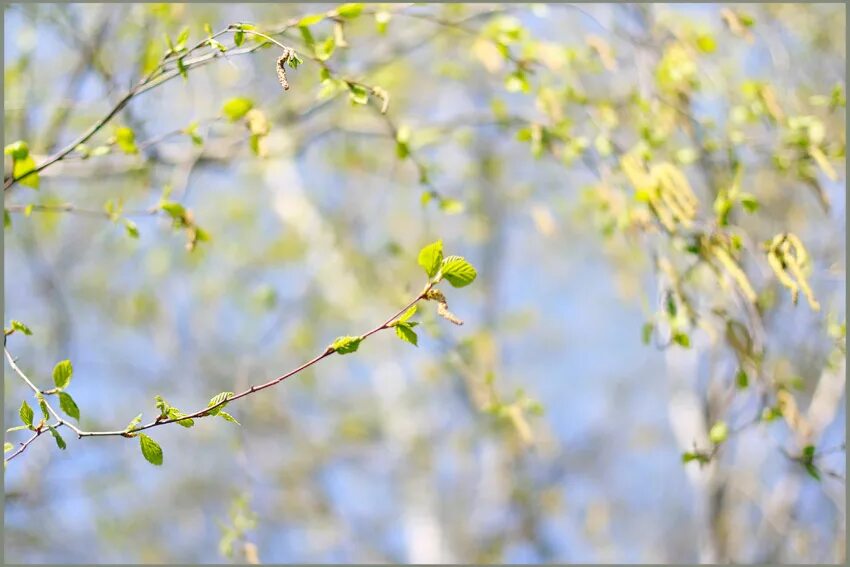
(281, 71)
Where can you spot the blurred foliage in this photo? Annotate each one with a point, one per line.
(200, 197)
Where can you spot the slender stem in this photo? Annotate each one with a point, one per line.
(205, 411)
(36, 434)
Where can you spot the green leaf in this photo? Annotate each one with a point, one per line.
(325, 49)
(68, 405)
(688, 457)
(813, 471)
(749, 202)
(238, 37)
(21, 167)
(150, 449)
(20, 327)
(59, 441)
(741, 379)
(174, 413)
(809, 452)
(457, 271)
(42, 404)
(26, 413)
(181, 68)
(236, 108)
(126, 140)
(706, 43)
(7, 447)
(358, 94)
(181, 39)
(7, 219)
(350, 10)
(406, 333)
(217, 399)
(346, 345)
(131, 228)
(227, 417)
(17, 428)
(430, 258)
(382, 19)
(133, 423)
(451, 206)
(408, 314)
(682, 339)
(218, 45)
(62, 373)
(719, 432)
(175, 210)
(517, 82)
(310, 19)
(294, 60)
(17, 150)
(646, 332)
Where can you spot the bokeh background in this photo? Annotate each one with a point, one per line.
(390, 454)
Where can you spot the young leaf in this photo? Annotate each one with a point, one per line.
(813, 471)
(181, 39)
(358, 94)
(406, 333)
(21, 167)
(68, 405)
(17, 150)
(20, 327)
(235, 108)
(719, 432)
(126, 140)
(457, 271)
(310, 19)
(59, 441)
(26, 413)
(430, 258)
(351, 10)
(682, 339)
(131, 228)
(741, 379)
(42, 404)
(408, 314)
(133, 423)
(346, 345)
(227, 417)
(150, 449)
(8, 447)
(62, 373)
(174, 413)
(217, 400)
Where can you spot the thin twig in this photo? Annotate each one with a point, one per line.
(205, 411)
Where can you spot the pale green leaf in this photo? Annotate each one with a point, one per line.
(26, 413)
(62, 373)
(457, 271)
(150, 449)
(346, 345)
(68, 405)
(236, 108)
(430, 258)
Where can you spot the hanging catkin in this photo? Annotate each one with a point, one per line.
(281, 71)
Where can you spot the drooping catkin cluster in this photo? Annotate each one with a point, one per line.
(789, 260)
(281, 70)
(665, 188)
